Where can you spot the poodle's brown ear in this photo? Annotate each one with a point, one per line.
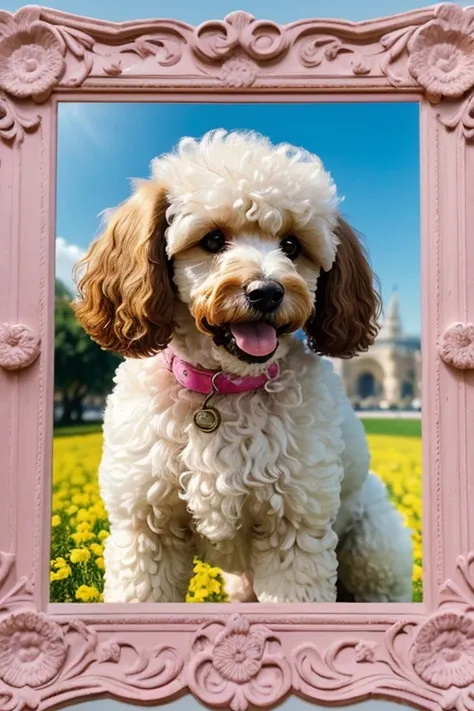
(126, 297)
(345, 318)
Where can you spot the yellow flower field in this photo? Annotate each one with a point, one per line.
(79, 521)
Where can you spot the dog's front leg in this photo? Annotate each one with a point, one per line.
(144, 566)
(294, 564)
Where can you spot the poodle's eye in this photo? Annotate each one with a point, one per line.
(213, 242)
(290, 246)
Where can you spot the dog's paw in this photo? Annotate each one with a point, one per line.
(296, 593)
(239, 588)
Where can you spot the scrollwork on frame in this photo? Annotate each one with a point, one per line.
(238, 661)
(165, 48)
(462, 119)
(260, 40)
(430, 663)
(43, 660)
(33, 61)
(44, 51)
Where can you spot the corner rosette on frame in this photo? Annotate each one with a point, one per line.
(31, 55)
(239, 664)
(443, 650)
(441, 53)
(32, 649)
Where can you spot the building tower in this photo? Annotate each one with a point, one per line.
(389, 374)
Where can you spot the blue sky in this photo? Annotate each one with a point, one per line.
(372, 151)
(195, 12)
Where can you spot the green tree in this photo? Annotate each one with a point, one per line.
(81, 367)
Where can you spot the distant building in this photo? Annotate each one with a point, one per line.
(389, 375)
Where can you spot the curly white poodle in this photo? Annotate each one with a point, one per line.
(201, 280)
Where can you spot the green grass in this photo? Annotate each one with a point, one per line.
(72, 430)
(393, 427)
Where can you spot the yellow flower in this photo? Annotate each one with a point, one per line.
(398, 489)
(199, 567)
(55, 521)
(61, 574)
(78, 480)
(411, 502)
(197, 582)
(87, 593)
(83, 526)
(396, 459)
(100, 563)
(214, 586)
(83, 515)
(199, 596)
(57, 501)
(417, 572)
(80, 499)
(79, 555)
(98, 510)
(82, 537)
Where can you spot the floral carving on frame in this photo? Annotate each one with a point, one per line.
(435, 656)
(236, 660)
(234, 665)
(43, 51)
(19, 346)
(236, 656)
(43, 660)
(456, 346)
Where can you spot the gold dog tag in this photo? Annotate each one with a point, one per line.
(208, 419)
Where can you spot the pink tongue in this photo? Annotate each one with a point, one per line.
(257, 339)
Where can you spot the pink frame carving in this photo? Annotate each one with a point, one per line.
(250, 655)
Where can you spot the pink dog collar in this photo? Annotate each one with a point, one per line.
(214, 381)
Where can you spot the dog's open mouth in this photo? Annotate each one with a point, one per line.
(251, 341)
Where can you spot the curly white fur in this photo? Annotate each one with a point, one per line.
(281, 493)
(242, 175)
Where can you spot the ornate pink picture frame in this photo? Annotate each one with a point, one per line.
(232, 655)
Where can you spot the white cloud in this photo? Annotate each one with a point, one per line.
(67, 255)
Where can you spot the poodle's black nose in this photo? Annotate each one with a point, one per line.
(265, 296)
